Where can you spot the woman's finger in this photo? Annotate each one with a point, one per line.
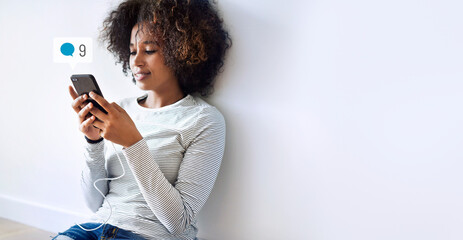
(99, 114)
(100, 100)
(73, 93)
(117, 107)
(86, 124)
(78, 102)
(84, 112)
(97, 123)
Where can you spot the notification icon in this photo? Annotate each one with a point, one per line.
(72, 50)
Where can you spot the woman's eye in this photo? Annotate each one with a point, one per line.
(148, 52)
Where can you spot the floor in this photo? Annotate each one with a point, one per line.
(10, 230)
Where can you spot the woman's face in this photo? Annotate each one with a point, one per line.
(147, 64)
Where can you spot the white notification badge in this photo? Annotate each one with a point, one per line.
(72, 50)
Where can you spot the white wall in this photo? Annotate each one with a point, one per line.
(343, 118)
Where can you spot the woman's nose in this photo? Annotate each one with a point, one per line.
(138, 60)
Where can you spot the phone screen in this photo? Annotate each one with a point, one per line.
(84, 84)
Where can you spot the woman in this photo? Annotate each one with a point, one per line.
(170, 142)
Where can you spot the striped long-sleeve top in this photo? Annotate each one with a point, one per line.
(169, 173)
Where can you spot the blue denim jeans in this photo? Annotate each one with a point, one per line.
(106, 232)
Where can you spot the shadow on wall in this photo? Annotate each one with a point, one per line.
(244, 83)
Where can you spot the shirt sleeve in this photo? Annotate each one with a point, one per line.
(94, 169)
(176, 206)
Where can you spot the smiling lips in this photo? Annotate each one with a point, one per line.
(141, 75)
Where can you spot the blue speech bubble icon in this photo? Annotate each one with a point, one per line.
(67, 49)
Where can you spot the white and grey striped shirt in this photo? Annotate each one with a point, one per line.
(169, 173)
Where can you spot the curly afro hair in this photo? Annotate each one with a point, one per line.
(190, 32)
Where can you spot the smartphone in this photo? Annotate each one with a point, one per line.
(84, 84)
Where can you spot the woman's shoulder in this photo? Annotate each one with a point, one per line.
(203, 105)
(208, 111)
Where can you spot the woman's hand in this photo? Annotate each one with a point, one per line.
(116, 126)
(82, 109)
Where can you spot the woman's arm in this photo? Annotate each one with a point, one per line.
(94, 153)
(94, 169)
(176, 205)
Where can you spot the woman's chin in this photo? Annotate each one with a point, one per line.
(142, 86)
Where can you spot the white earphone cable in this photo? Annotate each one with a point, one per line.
(104, 197)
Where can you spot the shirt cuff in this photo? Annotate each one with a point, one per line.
(95, 150)
(93, 141)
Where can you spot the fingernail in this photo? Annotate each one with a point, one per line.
(84, 96)
(92, 94)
